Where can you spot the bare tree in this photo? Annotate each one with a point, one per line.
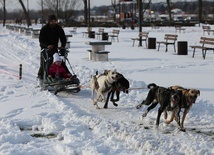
(85, 12)
(200, 11)
(26, 13)
(169, 10)
(114, 6)
(3, 2)
(62, 8)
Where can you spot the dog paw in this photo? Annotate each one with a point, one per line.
(167, 122)
(183, 129)
(105, 107)
(144, 115)
(115, 104)
(97, 107)
(138, 106)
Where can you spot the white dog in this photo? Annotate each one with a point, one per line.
(102, 84)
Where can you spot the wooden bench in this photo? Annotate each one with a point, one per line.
(206, 44)
(114, 34)
(21, 30)
(84, 34)
(74, 31)
(35, 33)
(68, 36)
(155, 27)
(28, 31)
(179, 28)
(207, 29)
(68, 44)
(99, 33)
(16, 28)
(142, 36)
(170, 39)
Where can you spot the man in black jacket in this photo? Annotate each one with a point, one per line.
(50, 35)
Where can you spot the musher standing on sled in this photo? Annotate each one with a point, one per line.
(49, 36)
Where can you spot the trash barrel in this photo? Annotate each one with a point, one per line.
(151, 43)
(182, 47)
(91, 34)
(104, 36)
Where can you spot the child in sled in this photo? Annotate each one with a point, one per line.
(56, 70)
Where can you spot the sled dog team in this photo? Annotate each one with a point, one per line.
(172, 99)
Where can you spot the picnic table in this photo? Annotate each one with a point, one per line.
(35, 33)
(98, 53)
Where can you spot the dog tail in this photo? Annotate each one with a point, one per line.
(151, 85)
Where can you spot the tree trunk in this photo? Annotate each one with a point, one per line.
(200, 11)
(140, 19)
(26, 13)
(4, 12)
(85, 12)
(114, 5)
(169, 11)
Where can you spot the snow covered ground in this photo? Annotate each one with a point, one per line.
(70, 123)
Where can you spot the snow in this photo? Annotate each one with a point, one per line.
(81, 129)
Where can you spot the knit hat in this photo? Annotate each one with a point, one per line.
(51, 17)
(56, 57)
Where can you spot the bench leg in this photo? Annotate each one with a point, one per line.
(204, 53)
(174, 48)
(133, 43)
(193, 54)
(112, 38)
(166, 47)
(158, 46)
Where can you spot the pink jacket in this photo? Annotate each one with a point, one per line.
(54, 69)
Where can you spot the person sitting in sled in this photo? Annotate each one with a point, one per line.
(56, 70)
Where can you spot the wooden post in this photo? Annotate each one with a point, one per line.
(20, 71)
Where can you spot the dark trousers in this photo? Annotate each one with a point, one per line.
(44, 58)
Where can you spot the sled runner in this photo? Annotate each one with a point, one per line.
(70, 84)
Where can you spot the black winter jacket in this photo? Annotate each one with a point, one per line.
(51, 36)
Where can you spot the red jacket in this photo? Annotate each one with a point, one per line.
(54, 69)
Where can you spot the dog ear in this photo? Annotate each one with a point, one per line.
(198, 93)
(96, 72)
(115, 70)
(106, 72)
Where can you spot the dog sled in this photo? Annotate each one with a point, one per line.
(70, 84)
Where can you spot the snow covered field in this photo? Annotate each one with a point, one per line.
(70, 123)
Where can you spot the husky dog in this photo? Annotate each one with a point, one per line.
(102, 84)
(169, 99)
(189, 97)
(122, 84)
